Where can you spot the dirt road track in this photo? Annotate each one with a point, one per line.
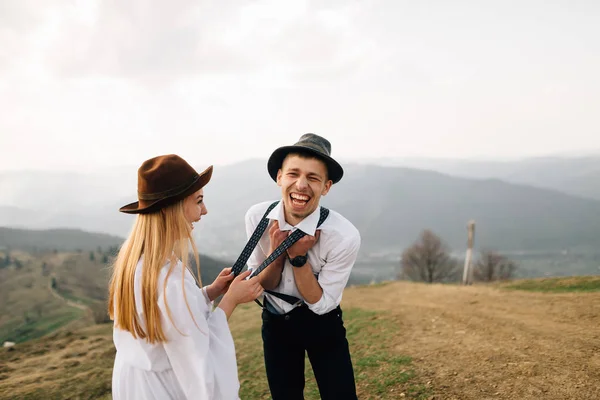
(68, 302)
(479, 342)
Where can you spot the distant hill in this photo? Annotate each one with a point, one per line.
(55, 239)
(76, 240)
(389, 205)
(578, 176)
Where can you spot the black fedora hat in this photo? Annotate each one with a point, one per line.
(163, 181)
(312, 144)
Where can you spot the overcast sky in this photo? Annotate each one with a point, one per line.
(100, 83)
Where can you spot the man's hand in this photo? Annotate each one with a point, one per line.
(302, 246)
(271, 276)
(220, 284)
(276, 236)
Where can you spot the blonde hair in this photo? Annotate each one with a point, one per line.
(160, 237)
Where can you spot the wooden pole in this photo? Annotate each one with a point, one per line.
(468, 269)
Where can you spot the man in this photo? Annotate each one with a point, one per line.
(314, 270)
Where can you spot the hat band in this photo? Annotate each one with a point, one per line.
(167, 193)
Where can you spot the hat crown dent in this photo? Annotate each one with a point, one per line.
(316, 142)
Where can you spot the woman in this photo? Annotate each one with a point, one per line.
(171, 342)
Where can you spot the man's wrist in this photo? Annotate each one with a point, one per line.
(299, 260)
(280, 258)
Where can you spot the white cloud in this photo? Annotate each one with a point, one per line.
(96, 82)
(160, 42)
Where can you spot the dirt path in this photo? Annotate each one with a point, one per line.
(484, 343)
(69, 302)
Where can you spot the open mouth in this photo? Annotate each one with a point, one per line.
(299, 200)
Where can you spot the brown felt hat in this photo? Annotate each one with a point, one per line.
(310, 143)
(164, 180)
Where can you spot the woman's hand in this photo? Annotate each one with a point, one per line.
(220, 284)
(240, 291)
(244, 290)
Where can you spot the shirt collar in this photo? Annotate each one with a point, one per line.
(308, 225)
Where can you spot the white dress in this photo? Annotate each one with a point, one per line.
(200, 365)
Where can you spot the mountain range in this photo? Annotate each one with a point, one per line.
(55, 239)
(578, 176)
(390, 204)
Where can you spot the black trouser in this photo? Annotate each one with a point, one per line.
(323, 337)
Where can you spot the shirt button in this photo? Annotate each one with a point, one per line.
(289, 280)
(287, 318)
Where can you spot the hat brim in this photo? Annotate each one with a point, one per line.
(135, 208)
(334, 169)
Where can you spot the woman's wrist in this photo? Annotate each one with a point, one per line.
(210, 292)
(227, 305)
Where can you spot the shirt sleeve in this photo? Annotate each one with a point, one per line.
(209, 302)
(335, 274)
(203, 356)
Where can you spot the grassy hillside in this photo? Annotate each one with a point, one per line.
(407, 340)
(557, 285)
(78, 364)
(28, 309)
(44, 292)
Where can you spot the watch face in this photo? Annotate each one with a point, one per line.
(298, 261)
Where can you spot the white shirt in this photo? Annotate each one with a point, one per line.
(200, 365)
(332, 257)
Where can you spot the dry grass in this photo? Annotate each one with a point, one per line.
(65, 365)
(474, 342)
(78, 365)
(381, 371)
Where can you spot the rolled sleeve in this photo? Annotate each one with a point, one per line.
(335, 274)
(209, 302)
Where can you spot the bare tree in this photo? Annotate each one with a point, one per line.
(492, 266)
(428, 260)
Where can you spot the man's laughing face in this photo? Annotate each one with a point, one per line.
(303, 181)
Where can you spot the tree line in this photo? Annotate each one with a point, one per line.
(7, 260)
(430, 260)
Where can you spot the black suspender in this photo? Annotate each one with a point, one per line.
(290, 240)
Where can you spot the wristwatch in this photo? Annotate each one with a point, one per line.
(298, 261)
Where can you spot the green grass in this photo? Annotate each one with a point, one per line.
(79, 300)
(27, 308)
(20, 331)
(380, 372)
(558, 285)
